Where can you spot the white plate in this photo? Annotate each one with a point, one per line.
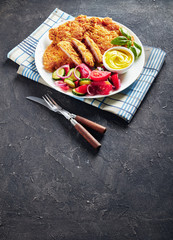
(126, 79)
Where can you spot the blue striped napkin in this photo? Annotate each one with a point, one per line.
(123, 104)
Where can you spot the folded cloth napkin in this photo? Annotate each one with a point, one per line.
(123, 104)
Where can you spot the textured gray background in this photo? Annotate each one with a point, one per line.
(52, 184)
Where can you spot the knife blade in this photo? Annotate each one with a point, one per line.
(71, 117)
(60, 110)
(38, 100)
(97, 127)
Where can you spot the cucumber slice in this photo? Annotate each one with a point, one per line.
(60, 72)
(77, 93)
(84, 81)
(70, 83)
(72, 77)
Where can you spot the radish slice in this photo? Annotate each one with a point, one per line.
(66, 68)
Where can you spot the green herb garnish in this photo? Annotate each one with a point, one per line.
(133, 49)
(138, 47)
(126, 40)
(119, 40)
(129, 44)
(125, 33)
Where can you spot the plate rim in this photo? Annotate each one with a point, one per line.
(70, 93)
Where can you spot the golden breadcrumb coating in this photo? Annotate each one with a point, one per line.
(66, 31)
(54, 57)
(100, 30)
(94, 49)
(67, 48)
(85, 53)
(102, 37)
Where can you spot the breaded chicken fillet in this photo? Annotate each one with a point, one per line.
(101, 31)
(67, 30)
(85, 53)
(102, 37)
(67, 48)
(54, 57)
(94, 49)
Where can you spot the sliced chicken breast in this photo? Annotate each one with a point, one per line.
(85, 53)
(68, 49)
(94, 49)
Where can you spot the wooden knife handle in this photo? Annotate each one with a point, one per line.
(94, 143)
(97, 127)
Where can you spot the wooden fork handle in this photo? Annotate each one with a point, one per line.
(94, 143)
(97, 127)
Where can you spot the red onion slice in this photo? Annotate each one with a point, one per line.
(78, 78)
(91, 90)
(66, 68)
(60, 83)
(83, 70)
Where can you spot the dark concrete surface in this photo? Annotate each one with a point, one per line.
(53, 185)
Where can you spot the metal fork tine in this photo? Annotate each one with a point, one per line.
(48, 102)
(71, 117)
(51, 99)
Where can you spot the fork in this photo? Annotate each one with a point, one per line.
(74, 121)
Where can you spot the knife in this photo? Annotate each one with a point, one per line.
(74, 119)
(97, 127)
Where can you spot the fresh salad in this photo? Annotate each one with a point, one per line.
(84, 81)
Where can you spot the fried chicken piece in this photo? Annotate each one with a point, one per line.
(101, 30)
(96, 28)
(102, 37)
(66, 31)
(94, 49)
(54, 57)
(110, 25)
(85, 53)
(84, 22)
(67, 48)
